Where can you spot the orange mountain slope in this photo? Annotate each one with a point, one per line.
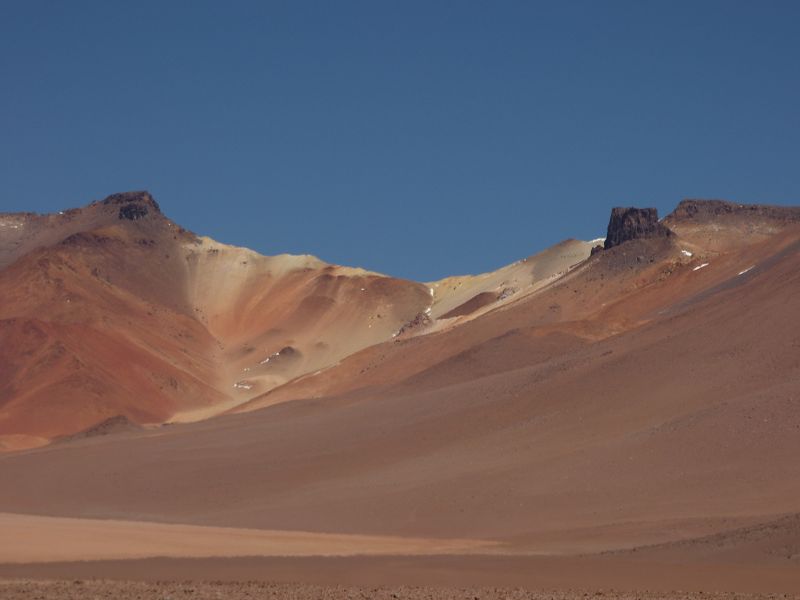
(114, 310)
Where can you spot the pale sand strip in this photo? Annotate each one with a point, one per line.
(30, 538)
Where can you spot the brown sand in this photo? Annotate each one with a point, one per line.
(79, 589)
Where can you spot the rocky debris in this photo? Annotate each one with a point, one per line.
(634, 223)
(283, 353)
(419, 321)
(506, 292)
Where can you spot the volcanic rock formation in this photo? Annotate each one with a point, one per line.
(634, 223)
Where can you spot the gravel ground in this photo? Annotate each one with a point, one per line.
(123, 590)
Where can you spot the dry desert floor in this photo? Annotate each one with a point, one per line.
(125, 590)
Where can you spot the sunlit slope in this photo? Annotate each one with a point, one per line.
(279, 317)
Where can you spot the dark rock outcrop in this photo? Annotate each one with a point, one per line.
(132, 212)
(418, 322)
(633, 224)
(133, 205)
(706, 210)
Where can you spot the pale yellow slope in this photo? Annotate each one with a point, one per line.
(507, 283)
(280, 317)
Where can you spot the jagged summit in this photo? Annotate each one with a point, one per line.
(700, 209)
(634, 223)
(133, 205)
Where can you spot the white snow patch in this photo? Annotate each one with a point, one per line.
(597, 240)
(428, 310)
(363, 289)
(243, 385)
(431, 291)
(746, 270)
(686, 253)
(698, 267)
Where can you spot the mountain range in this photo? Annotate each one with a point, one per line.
(634, 396)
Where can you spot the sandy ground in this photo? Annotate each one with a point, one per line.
(594, 573)
(53, 539)
(761, 558)
(75, 590)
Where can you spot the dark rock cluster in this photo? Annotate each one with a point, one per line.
(632, 224)
(421, 320)
(132, 212)
(697, 210)
(133, 205)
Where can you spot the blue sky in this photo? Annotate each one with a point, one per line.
(419, 139)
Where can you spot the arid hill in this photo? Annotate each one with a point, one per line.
(639, 402)
(114, 311)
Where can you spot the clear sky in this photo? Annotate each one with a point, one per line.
(418, 139)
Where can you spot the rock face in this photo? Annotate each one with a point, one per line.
(133, 205)
(632, 224)
(132, 212)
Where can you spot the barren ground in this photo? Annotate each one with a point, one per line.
(78, 589)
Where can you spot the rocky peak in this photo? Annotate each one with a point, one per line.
(634, 223)
(133, 205)
(707, 210)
